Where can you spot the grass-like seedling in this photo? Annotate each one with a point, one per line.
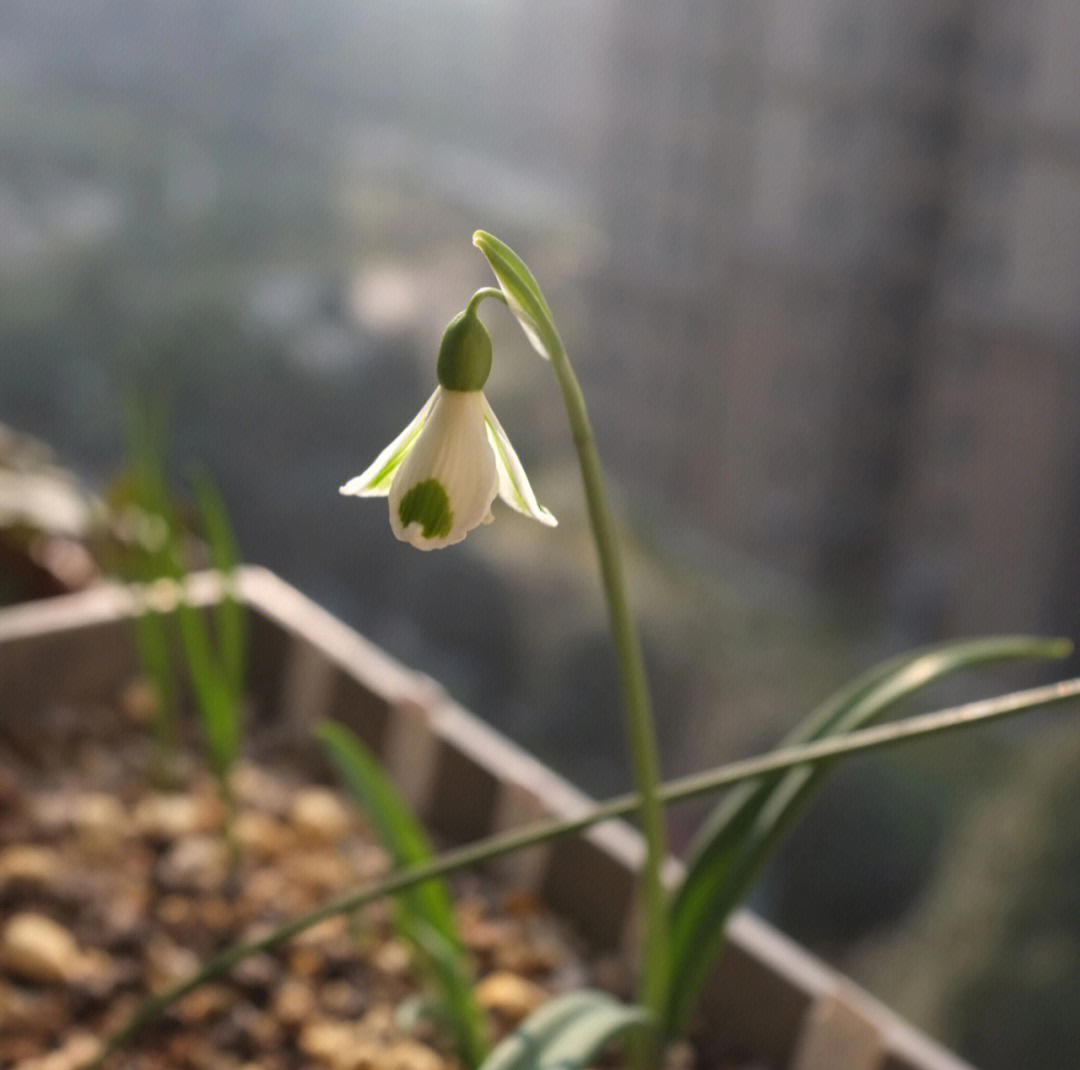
(181, 649)
(425, 913)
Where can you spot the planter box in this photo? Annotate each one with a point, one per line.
(767, 996)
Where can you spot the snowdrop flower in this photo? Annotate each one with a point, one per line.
(443, 472)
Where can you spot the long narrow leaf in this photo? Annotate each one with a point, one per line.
(151, 633)
(229, 614)
(566, 1033)
(217, 701)
(954, 719)
(456, 1008)
(427, 912)
(751, 821)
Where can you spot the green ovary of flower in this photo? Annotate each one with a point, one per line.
(427, 504)
(465, 353)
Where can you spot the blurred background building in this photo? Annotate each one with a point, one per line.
(818, 263)
(836, 322)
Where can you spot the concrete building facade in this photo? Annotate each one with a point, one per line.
(844, 256)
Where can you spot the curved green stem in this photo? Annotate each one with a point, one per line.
(679, 790)
(485, 291)
(641, 732)
(640, 728)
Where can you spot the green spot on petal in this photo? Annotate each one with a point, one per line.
(426, 504)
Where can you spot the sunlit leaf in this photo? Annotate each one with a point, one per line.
(567, 1032)
(523, 293)
(752, 820)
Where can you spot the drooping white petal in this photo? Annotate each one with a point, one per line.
(514, 487)
(446, 484)
(374, 481)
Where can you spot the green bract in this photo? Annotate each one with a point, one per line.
(523, 295)
(465, 353)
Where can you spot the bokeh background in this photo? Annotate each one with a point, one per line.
(818, 265)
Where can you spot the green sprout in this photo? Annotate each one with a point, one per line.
(154, 555)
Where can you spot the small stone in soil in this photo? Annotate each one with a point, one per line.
(509, 995)
(195, 863)
(258, 972)
(260, 790)
(392, 958)
(319, 813)
(164, 818)
(261, 835)
(36, 948)
(29, 864)
(341, 999)
(202, 1003)
(293, 1002)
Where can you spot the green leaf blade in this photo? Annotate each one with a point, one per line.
(750, 822)
(427, 915)
(217, 703)
(399, 832)
(229, 614)
(567, 1032)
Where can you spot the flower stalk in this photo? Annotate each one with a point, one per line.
(637, 702)
(640, 728)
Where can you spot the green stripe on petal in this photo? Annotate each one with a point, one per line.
(374, 481)
(514, 487)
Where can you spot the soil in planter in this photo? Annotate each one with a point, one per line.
(111, 889)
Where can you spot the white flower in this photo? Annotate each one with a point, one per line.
(444, 470)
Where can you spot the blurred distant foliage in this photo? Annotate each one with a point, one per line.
(1019, 1006)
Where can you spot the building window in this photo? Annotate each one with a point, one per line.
(883, 470)
(979, 265)
(954, 437)
(967, 358)
(826, 216)
(931, 132)
(891, 389)
(1007, 67)
(944, 523)
(792, 462)
(994, 170)
(844, 38)
(918, 226)
(902, 306)
(943, 45)
(835, 130)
